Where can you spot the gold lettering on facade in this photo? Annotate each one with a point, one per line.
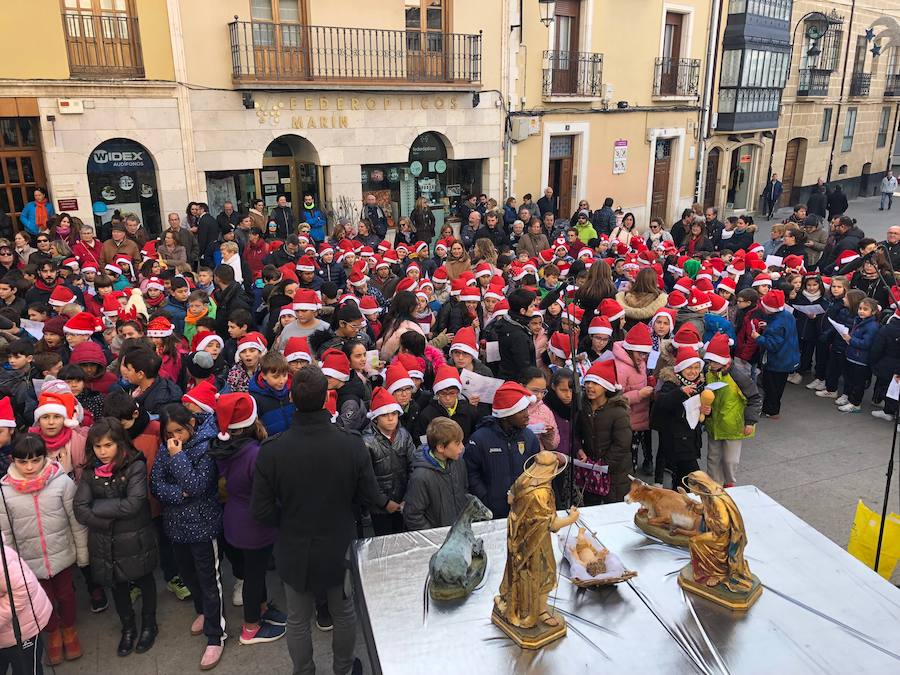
(307, 103)
(323, 103)
(439, 103)
(354, 103)
(323, 122)
(296, 122)
(292, 102)
(452, 103)
(387, 103)
(340, 103)
(311, 123)
(370, 103)
(344, 122)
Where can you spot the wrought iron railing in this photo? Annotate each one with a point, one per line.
(813, 82)
(676, 77)
(103, 45)
(572, 73)
(860, 84)
(281, 52)
(892, 85)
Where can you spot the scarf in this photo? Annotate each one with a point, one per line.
(158, 301)
(699, 384)
(812, 297)
(40, 215)
(36, 484)
(104, 470)
(192, 320)
(556, 405)
(655, 339)
(54, 443)
(41, 286)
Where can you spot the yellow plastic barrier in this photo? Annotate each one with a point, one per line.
(864, 539)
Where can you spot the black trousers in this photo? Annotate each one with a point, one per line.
(773, 389)
(122, 598)
(856, 378)
(387, 523)
(166, 555)
(255, 562)
(198, 563)
(834, 369)
(233, 555)
(682, 468)
(24, 661)
(808, 349)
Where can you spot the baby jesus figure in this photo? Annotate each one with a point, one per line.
(594, 561)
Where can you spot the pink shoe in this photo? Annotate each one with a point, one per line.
(197, 626)
(211, 657)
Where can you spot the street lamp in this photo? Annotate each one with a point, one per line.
(548, 9)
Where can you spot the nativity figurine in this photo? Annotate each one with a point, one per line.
(670, 516)
(458, 566)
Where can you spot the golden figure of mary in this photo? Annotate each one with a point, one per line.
(530, 573)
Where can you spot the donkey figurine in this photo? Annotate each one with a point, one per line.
(459, 564)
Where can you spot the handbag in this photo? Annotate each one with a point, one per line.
(594, 480)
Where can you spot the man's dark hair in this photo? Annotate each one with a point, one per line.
(241, 317)
(608, 202)
(292, 239)
(308, 389)
(21, 347)
(145, 361)
(225, 274)
(119, 404)
(520, 299)
(179, 282)
(256, 230)
(329, 290)
(46, 263)
(204, 206)
(44, 361)
(270, 273)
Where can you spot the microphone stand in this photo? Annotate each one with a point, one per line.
(575, 406)
(17, 629)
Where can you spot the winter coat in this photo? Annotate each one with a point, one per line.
(48, 537)
(17, 384)
(539, 413)
(516, 345)
(33, 607)
(606, 436)
(640, 308)
(236, 462)
(738, 404)
(451, 318)
(177, 312)
(884, 356)
(227, 300)
(862, 337)
(316, 221)
(465, 415)
(186, 485)
(161, 393)
(603, 220)
(390, 344)
(632, 380)
(436, 494)
(494, 459)
(28, 216)
(275, 408)
(532, 244)
(253, 255)
(391, 461)
(779, 342)
(333, 272)
(736, 242)
(116, 511)
(746, 347)
(678, 442)
(713, 323)
(808, 329)
(306, 483)
(126, 247)
(685, 315)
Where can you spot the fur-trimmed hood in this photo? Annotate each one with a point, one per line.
(640, 306)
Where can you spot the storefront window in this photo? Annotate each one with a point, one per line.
(121, 175)
(237, 187)
(739, 177)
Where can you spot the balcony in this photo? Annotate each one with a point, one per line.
(892, 85)
(748, 109)
(281, 53)
(676, 77)
(572, 74)
(813, 82)
(860, 84)
(103, 46)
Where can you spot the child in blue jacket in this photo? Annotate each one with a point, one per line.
(860, 339)
(780, 350)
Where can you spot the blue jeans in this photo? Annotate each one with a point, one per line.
(887, 198)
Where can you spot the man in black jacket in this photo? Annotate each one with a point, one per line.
(229, 296)
(548, 203)
(375, 215)
(207, 233)
(515, 341)
(228, 217)
(891, 247)
(492, 230)
(817, 202)
(281, 220)
(306, 482)
(845, 236)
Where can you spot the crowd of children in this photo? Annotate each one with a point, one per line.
(135, 402)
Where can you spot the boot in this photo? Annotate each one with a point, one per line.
(129, 635)
(54, 648)
(149, 631)
(71, 645)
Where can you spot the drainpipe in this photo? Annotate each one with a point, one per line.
(705, 114)
(837, 117)
(890, 159)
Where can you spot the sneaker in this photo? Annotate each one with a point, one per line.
(176, 586)
(274, 616)
(99, 603)
(880, 414)
(237, 595)
(795, 378)
(816, 385)
(824, 393)
(878, 404)
(265, 632)
(323, 619)
(211, 656)
(197, 625)
(849, 408)
(841, 400)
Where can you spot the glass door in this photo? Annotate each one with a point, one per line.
(21, 167)
(426, 49)
(279, 47)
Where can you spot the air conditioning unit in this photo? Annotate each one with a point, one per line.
(519, 129)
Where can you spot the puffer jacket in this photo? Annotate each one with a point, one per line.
(640, 308)
(161, 393)
(606, 435)
(494, 459)
(862, 337)
(632, 380)
(779, 340)
(884, 357)
(47, 535)
(186, 485)
(516, 345)
(436, 494)
(465, 415)
(32, 605)
(391, 460)
(275, 408)
(116, 511)
(678, 442)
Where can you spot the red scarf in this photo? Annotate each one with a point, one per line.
(54, 443)
(40, 215)
(36, 484)
(105, 470)
(158, 301)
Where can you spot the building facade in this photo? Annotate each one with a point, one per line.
(605, 102)
(143, 105)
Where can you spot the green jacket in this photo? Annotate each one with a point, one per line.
(586, 232)
(737, 404)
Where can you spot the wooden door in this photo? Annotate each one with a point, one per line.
(711, 186)
(280, 40)
(99, 34)
(426, 46)
(659, 200)
(789, 176)
(21, 165)
(671, 54)
(565, 61)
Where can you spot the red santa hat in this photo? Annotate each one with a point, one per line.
(7, 418)
(500, 309)
(611, 309)
(737, 267)
(762, 280)
(573, 313)
(698, 300)
(160, 327)
(402, 248)
(727, 284)
(794, 262)
(440, 276)
(464, 341)
(306, 299)
(638, 339)
(366, 252)
(121, 260)
(413, 267)
(369, 306)
(717, 304)
(59, 403)
(390, 257)
(413, 364)
(757, 249)
(234, 411)
(306, 264)
(287, 310)
(511, 398)
(706, 272)
(71, 263)
(397, 377)
(156, 284)
(357, 279)
(677, 300)
(203, 338)
(483, 269)
(667, 313)
(560, 345)
(686, 357)
(445, 377)
(382, 404)
(604, 374)
(324, 248)
(115, 269)
(718, 349)
(335, 364)
(687, 336)
(600, 325)
(406, 284)
(83, 324)
(847, 256)
(61, 296)
(773, 301)
(385, 246)
(111, 305)
(469, 294)
(89, 267)
(494, 291)
(684, 284)
(251, 340)
(297, 349)
(203, 395)
(704, 285)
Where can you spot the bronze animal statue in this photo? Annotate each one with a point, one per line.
(458, 565)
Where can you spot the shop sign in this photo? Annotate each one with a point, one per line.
(620, 156)
(415, 168)
(113, 156)
(428, 185)
(306, 112)
(428, 147)
(393, 175)
(67, 205)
